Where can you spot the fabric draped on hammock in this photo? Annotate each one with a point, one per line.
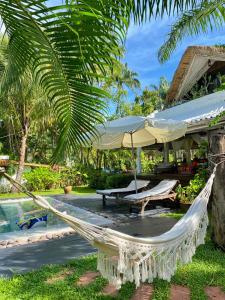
(123, 258)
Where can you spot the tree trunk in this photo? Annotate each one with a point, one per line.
(216, 146)
(22, 155)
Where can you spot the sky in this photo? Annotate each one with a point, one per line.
(143, 43)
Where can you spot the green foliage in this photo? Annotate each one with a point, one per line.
(118, 180)
(203, 149)
(101, 180)
(188, 193)
(148, 162)
(97, 179)
(72, 177)
(205, 17)
(42, 179)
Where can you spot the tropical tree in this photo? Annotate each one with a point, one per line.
(24, 109)
(149, 100)
(162, 88)
(121, 80)
(70, 47)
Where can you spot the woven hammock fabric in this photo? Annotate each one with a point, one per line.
(123, 258)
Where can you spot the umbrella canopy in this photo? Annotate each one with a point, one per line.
(144, 131)
(137, 131)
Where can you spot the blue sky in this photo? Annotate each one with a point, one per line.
(144, 41)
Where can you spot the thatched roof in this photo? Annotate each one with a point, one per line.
(195, 62)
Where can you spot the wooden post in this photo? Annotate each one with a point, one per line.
(166, 153)
(216, 146)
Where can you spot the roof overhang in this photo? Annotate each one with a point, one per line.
(198, 113)
(196, 61)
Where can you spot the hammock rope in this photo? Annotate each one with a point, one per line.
(123, 258)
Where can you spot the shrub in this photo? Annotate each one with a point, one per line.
(97, 179)
(70, 176)
(118, 180)
(42, 179)
(188, 193)
(101, 180)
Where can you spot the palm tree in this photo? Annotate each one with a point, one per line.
(28, 107)
(162, 88)
(24, 106)
(122, 78)
(69, 48)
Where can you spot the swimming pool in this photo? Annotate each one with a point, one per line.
(13, 210)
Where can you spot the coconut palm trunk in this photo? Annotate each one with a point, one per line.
(22, 155)
(216, 146)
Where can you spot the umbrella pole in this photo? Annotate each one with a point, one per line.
(133, 158)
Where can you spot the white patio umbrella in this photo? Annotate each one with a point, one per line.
(137, 131)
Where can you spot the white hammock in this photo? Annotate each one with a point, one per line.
(123, 258)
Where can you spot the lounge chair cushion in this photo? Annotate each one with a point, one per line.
(163, 188)
(129, 189)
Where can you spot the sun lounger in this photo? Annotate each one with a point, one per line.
(119, 193)
(163, 190)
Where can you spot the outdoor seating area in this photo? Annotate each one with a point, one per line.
(163, 190)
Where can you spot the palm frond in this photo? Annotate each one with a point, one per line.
(143, 10)
(69, 47)
(208, 16)
(65, 47)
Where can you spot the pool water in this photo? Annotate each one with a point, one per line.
(13, 211)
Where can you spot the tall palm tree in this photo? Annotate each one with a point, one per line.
(162, 88)
(122, 79)
(70, 47)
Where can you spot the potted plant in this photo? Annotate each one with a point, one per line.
(67, 180)
(4, 160)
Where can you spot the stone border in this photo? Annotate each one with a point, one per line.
(19, 241)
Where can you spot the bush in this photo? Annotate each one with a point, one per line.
(101, 180)
(188, 193)
(97, 179)
(118, 180)
(70, 176)
(42, 179)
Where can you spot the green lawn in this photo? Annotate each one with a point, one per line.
(207, 268)
(79, 190)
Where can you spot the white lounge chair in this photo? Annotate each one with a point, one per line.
(119, 193)
(163, 190)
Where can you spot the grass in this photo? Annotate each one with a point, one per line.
(175, 215)
(79, 190)
(207, 268)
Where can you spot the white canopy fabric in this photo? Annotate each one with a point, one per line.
(194, 111)
(144, 131)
